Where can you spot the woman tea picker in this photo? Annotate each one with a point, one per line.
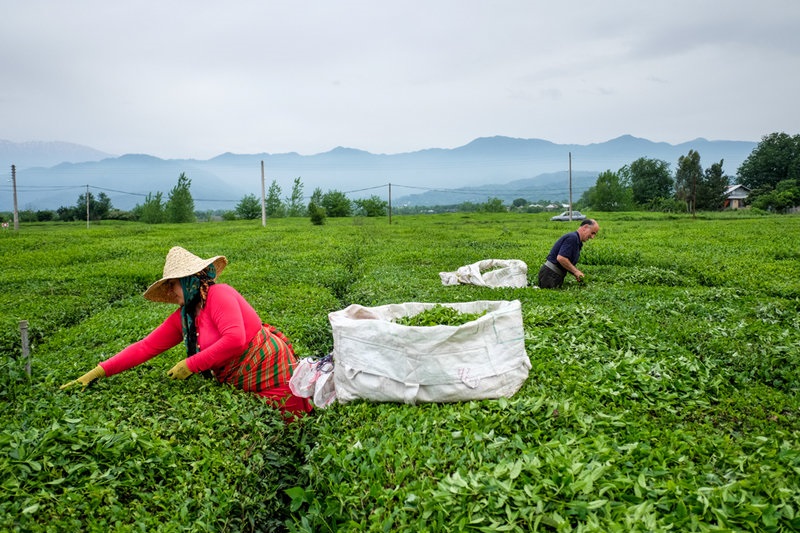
(224, 335)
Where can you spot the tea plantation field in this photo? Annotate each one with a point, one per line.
(663, 394)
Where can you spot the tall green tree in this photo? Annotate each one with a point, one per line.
(315, 210)
(469, 207)
(249, 207)
(372, 206)
(785, 196)
(294, 203)
(99, 208)
(44, 215)
(316, 196)
(337, 204)
(775, 159)
(687, 177)
(609, 193)
(493, 205)
(180, 204)
(650, 180)
(153, 210)
(65, 213)
(711, 188)
(273, 203)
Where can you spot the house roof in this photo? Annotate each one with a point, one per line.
(737, 191)
(731, 188)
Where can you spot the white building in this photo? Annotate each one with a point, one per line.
(735, 195)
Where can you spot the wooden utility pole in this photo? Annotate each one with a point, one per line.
(570, 186)
(263, 198)
(87, 207)
(14, 186)
(390, 203)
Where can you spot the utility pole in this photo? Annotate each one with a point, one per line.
(390, 203)
(570, 186)
(263, 198)
(87, 207)
(14, 186)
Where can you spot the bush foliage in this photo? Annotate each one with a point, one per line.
(663, 394)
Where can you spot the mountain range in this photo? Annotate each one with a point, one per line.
(54, 174)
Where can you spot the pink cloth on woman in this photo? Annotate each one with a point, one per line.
(224, 328)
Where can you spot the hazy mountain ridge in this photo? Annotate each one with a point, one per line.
(46, 153)
(496, 166)
(551, 186)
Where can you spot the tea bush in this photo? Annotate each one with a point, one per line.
(663, 394)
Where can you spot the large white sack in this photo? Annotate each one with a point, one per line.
(377, 359)
(489, 273)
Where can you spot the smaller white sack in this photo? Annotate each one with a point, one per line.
(379, 360)
(304, 377)
(325, 390)
(314, 378)
(489, 273)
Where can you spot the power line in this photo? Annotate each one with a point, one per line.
(467, 192)
(366, 189)
(58, 188)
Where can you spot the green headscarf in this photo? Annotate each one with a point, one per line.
(195, 291)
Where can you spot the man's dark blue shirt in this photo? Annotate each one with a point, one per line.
(569, 246)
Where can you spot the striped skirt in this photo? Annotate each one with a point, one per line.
(264, 369)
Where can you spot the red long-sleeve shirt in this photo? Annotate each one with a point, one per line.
(225, 326)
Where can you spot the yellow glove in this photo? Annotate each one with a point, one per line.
(86, 379)
(180, 371)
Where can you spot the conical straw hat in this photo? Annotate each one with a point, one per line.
(180, 263)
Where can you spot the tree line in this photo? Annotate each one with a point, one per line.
(771, 172)
(179, 206)
(333, 203)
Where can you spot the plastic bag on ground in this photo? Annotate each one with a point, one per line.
(325, 390)
(302, 381)
(313, 379)
(489, 273)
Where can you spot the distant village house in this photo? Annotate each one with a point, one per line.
(735, 196)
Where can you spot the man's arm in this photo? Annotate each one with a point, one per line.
(569, 267)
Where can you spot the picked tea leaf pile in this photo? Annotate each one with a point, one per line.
(439, 315)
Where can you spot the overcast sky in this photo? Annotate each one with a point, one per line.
(194, 79)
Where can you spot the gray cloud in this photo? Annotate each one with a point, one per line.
(198, 78)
